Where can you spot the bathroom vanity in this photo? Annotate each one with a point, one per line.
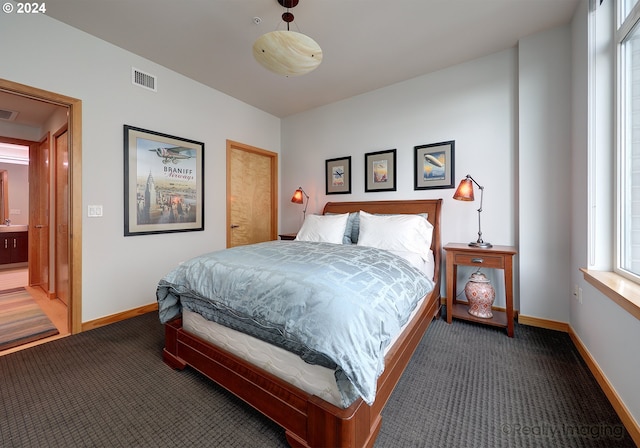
(14, 244)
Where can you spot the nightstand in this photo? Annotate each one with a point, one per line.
(496, 257)
(288, 236)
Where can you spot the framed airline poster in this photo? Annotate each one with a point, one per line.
(163, 183)
(338, 175)
(433, 166)
(380, 171)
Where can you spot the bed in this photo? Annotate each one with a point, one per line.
(309, 418)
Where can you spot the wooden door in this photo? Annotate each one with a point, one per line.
(252, 196)
(39, 214)
(62, 216)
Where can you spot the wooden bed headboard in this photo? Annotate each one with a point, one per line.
(432, 207)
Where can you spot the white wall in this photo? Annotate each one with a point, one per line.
(544, 174)
(473, 103)
(121, 273)
(20, 131)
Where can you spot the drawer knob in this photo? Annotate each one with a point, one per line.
(477, 260)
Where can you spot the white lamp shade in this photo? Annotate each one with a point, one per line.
(287, 53)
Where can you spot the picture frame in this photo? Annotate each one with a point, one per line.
(338, 175)
(380, 171)
(434, 166)
(163, 183)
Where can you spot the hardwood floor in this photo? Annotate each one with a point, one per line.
(54, 309)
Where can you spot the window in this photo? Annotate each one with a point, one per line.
(628, 223)
(627, 7)
(613, 80)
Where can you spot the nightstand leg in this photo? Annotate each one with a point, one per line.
(508, 281)
(452, 275)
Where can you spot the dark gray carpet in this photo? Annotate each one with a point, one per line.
(467, 386)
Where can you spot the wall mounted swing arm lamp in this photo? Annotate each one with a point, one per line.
(299, 199)
(464, 192)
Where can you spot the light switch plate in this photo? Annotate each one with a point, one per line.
(94, 211)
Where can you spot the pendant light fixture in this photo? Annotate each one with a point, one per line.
(287, 53)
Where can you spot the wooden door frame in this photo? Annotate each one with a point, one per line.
(231, 145)
(35, 172)
(75, 190)
(55, 162)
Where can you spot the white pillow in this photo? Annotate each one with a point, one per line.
(411, 233)
(323, 228)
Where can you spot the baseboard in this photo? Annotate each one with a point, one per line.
(632, 426)
(119, 316)
(543, 323)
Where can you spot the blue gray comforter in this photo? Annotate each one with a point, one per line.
(334, 305)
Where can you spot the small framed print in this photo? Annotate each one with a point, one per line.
(380, 171)
(434, 166)
(163, 183)
(338, 175)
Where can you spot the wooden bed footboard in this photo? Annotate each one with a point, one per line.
(308, 420)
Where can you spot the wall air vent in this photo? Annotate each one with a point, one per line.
(145, 80)
(8, 115)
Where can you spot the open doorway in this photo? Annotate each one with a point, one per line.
(73, 230)
(24, 221)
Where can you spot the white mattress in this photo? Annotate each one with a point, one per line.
(313, 379)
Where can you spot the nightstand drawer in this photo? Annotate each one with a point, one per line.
(486, 261)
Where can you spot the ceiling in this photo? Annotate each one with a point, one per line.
(31, 112)
(366, 44)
